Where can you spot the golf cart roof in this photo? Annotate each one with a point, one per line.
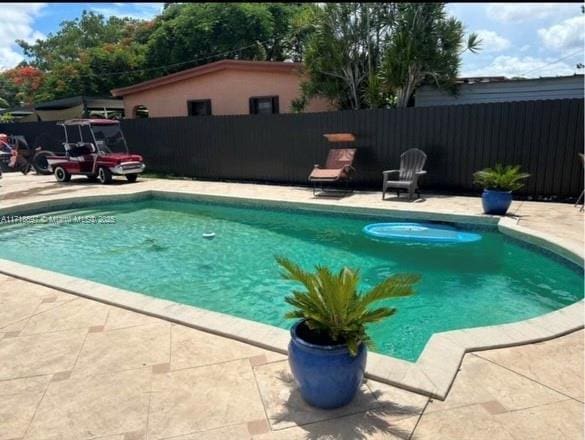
(90, 122)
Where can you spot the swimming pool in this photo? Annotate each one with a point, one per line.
(156, 247)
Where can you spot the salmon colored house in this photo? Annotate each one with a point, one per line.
(227, 87)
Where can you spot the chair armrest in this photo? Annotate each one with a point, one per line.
(316, 166)
(420, 173)
(390, 171)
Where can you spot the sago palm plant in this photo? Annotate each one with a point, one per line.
(501, 178)
(332, 306)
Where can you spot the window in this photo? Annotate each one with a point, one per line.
(263, 105)
(199, 107)
(140, 111)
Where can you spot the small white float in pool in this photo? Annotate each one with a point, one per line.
(209, 235)
(419, 233)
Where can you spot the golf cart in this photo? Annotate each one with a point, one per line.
(97, 149)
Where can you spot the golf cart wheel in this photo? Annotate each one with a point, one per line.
(40, 163)
(131, 177)
(104, 176)
(62, 175)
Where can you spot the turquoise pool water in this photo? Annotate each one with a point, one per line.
(156, 247)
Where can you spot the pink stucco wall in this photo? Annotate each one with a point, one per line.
(229, 91)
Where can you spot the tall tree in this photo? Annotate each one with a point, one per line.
(426, 45)
(344, 52)
(89, 56)
(74, 37)
(370, 55)
(190, 34)
(26, 80)
(8, 91)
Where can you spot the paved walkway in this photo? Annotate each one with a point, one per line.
(72, 368)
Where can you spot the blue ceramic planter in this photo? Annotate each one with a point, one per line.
(496, 202)
(327, 376)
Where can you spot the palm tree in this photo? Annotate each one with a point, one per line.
(426, 45)
(501, 178)
(331, 305)
(344, 51)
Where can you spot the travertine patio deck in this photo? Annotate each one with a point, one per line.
(72, 368)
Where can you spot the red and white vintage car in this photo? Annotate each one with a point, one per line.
(97, 149)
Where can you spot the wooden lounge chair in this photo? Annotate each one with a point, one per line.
(338, 168)
(412, 163)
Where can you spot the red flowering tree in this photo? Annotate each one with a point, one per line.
(26, 80)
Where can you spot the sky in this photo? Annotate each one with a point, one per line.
(518, 39)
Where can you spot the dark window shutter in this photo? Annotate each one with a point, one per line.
(199, 107)
(252, 106)
(275, 107)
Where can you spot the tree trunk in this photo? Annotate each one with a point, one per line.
(406, 91)
(354, 96)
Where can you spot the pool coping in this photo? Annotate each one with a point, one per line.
(434, 371)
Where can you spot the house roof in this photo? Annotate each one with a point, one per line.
(18, 111)
(88, 101)
(480, 79)
(500, 79)
(258, 66)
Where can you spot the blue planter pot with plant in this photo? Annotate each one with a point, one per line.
(308, 361)
(496, 202)
(328, 347)
(498, 183)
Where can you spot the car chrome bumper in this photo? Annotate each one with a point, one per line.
(128, 168)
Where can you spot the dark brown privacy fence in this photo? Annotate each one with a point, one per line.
(542, 136)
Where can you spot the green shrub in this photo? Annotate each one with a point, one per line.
(332, 306)
(500, 178)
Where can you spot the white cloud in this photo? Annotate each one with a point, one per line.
(569, 34)
(17, 24)
(492, 41)
(140, 11)
(520, 12)
(529, 67)
(8, 58)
